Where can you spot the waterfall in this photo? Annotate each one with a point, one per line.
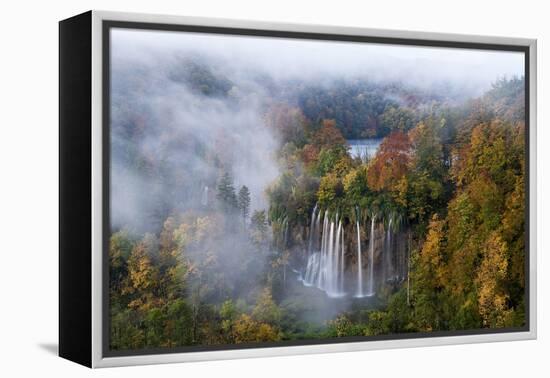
(328, 258)
(342, 262)
(370, 261)
(326, 255)
(312, 231)
(325, 267)
(389, 252)
(285, 232)
(317, 230)
(359, 261)
(331, 285)
(322, 259)
(312, 269)
(204, 198)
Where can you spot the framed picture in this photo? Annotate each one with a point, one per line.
(237, 189)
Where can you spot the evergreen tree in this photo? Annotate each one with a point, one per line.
(226, 193)
(259, 221)
(243, 202)
(259, 227)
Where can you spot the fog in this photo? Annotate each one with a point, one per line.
(159, 122)
(192, 138)
(281, 58)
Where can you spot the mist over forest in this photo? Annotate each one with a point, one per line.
(240, 214)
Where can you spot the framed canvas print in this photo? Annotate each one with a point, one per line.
(240, 189)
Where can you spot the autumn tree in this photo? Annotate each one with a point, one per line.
(490, 277)
(355, 183)
(329, 189)
(246, 329)
(266, 310)
(328, 136)
(142, 280)
(391, 162)
(429, 274)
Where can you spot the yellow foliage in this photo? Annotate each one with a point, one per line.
(266, 309)
(400, 191)
(349, 179)
(247, 329)
(328, 188)
(141, 272)
(431, 255)
(492, 270)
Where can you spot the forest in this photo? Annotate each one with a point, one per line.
(262, 225)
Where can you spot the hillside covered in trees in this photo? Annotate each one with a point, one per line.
(254, 222)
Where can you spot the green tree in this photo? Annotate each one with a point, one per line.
(179, 323)
(259, 221)
(120, 247)
(228, 315)
(243, 202)
(154, 322)
(226, 193)
(397, 118)
(266, 310)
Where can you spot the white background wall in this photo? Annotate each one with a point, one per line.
(28, 200)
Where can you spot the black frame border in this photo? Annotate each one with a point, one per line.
(107, 25)
(75, 189)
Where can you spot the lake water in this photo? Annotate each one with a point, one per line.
(364, 148)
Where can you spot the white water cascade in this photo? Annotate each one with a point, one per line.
(325, 266)
(312, 230)
(285, 232)
(389, 252)
(204, 199)
(342, 261)
(370, 261)
(359, 293)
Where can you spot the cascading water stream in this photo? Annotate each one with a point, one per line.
(370, 261)
(285, 233)
(325, 265)
(204, 198)
(342, 263)
(389, 252)
(322, 259)
(312, 231)
(328, 258)
(359, 262)
(334, 285)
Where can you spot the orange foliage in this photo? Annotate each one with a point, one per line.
(328, 135)
(310, 154)
(391, 162)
